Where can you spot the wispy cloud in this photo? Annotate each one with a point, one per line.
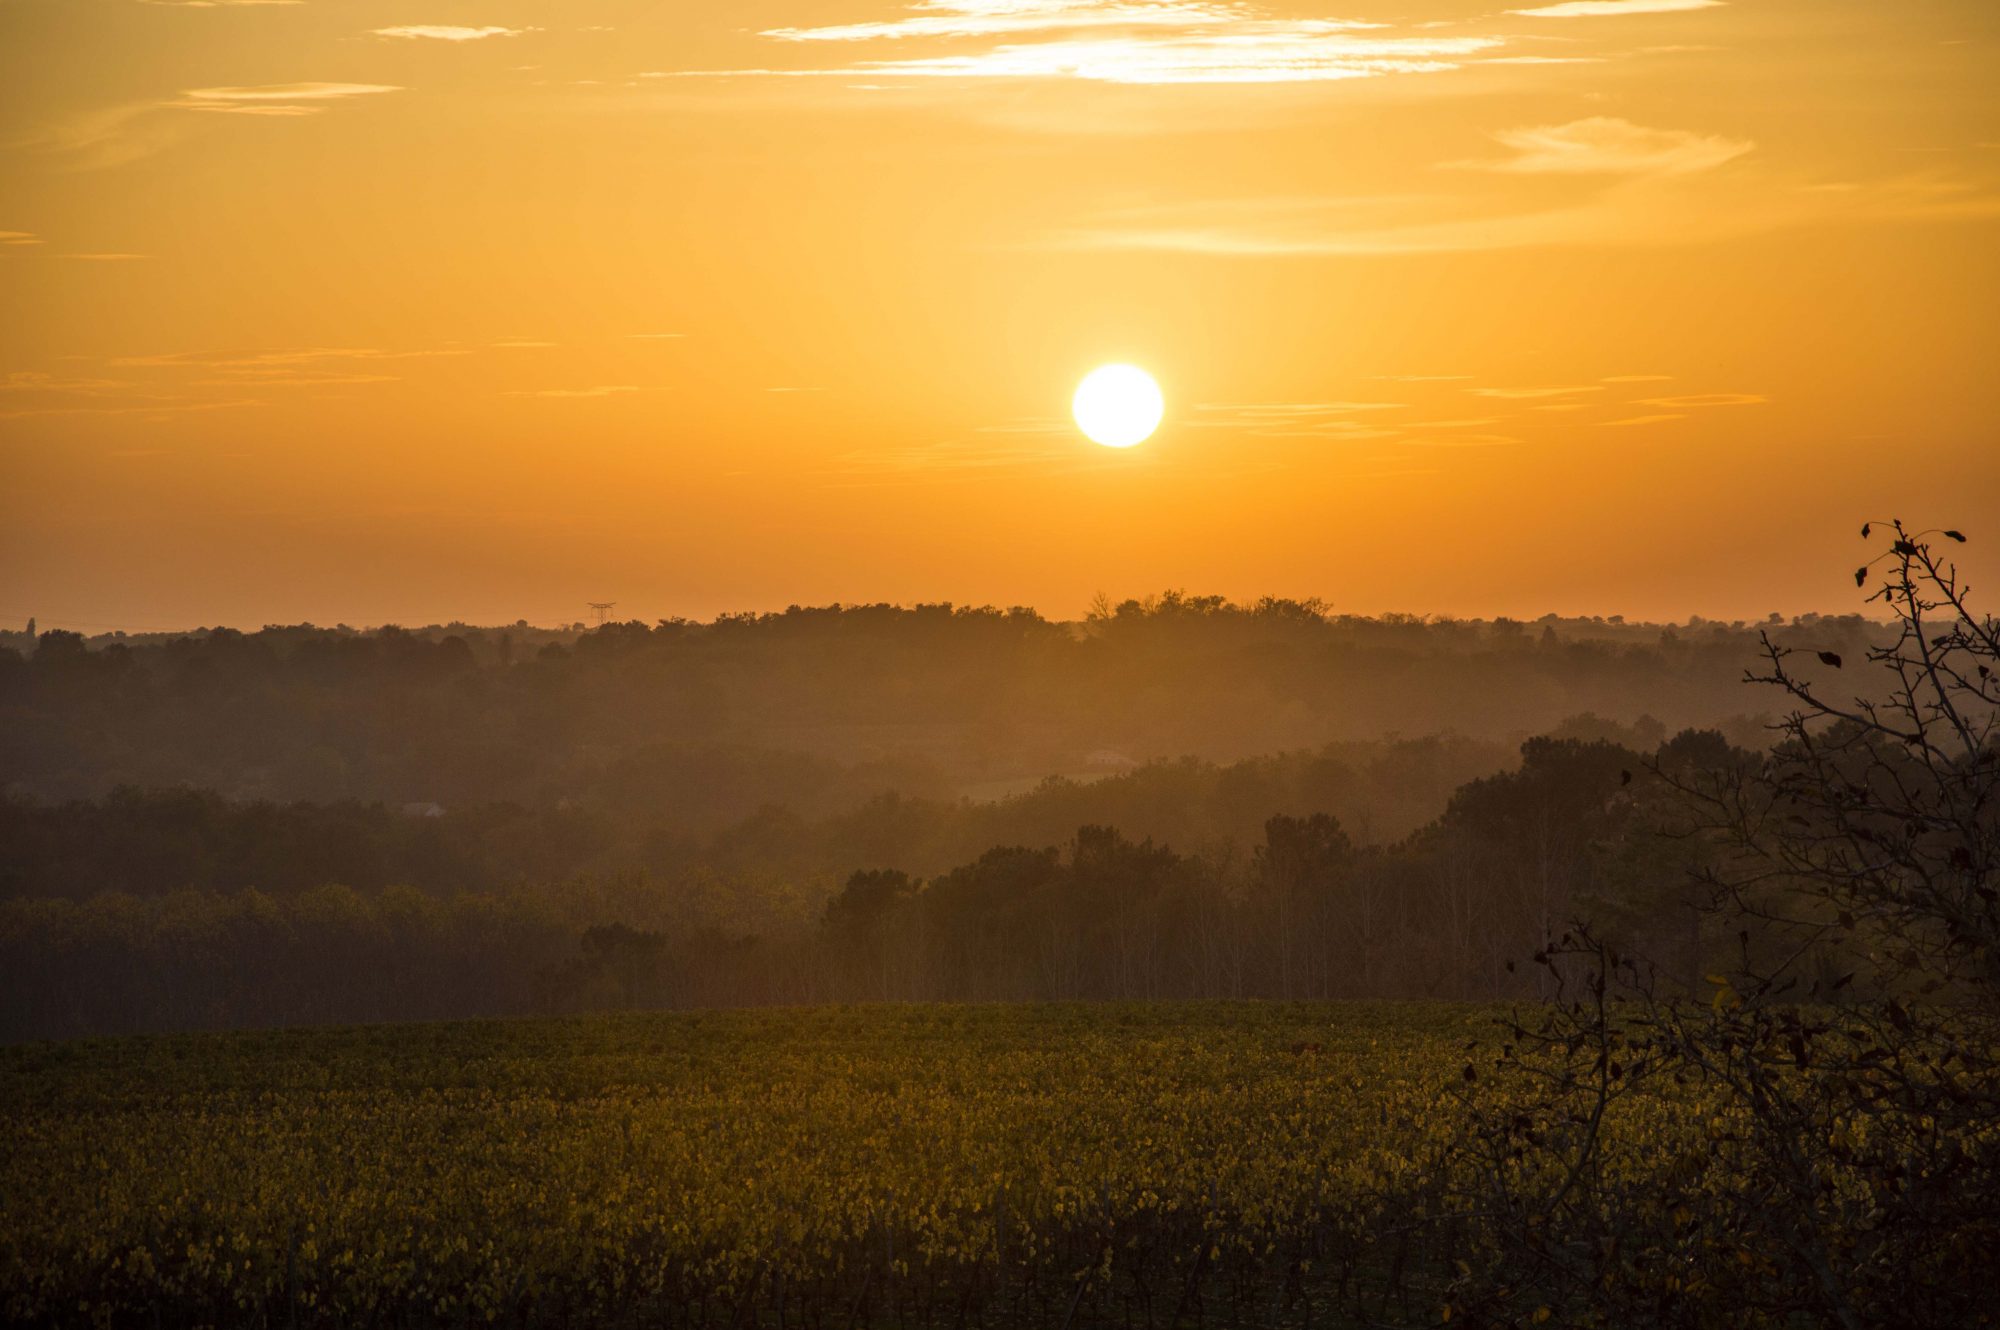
(284, 367)
(1041, 444)
(1254, 410)
(107, 258)
(1606, 145)
(445, 32)
(25, 393)
(1642, 420)
(277, 99)
(1662, 207)
(1614, 8)
(599, 390)
(41, 381)
(20, 238)
(295, 355)
(958, 454)
(986, 18)
(1179, 60)
(1265, 225)
(135, 408)
(1459, 441)
(1530, 394)
(108, 136)
(178, 381)
(1706, 399)
(1280, 420)
(1125, 41)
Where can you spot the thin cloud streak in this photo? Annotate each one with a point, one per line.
(1177, 60)
(1606, 145)
(1141, 42)
(1614, 8)
(1529, 394)
(1637, 210)
(250, 362)
(115, 135)
(986, 18)
(445, 32)
(1299, 420)
(1461, 441)
(277, 99)
(602, 390)
(1706, 399)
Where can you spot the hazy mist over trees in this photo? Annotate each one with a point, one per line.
(1170, 799)
(1298, 909)
(815, 709)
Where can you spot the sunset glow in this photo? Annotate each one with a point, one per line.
(999, 664)
(1118, 406)
(491, 311)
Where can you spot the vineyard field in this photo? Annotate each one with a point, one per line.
(874, 1166)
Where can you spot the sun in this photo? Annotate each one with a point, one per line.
(1118, 405)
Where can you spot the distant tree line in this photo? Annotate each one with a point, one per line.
(152, 841)
(1305, 912)
(1300, 910)
(818, 709)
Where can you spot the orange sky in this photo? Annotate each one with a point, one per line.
(412, 310)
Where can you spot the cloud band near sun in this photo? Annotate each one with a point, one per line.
(277, 99)
(445, 32)
(1125, 41)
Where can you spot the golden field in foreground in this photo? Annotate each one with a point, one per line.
(926, 1165)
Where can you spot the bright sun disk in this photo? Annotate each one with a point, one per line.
(1118, 405)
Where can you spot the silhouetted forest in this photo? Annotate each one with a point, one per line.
(1297, 908)
(153, 841)
(308, 825)
(701, 724)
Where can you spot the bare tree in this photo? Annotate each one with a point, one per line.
(1848, 1059)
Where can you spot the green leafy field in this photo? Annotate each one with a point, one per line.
(892, 1165)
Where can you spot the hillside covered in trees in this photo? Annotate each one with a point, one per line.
(1193, 881)
(701, 724)
(1170, 799)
